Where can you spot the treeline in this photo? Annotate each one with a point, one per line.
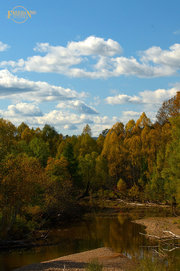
(44, 174)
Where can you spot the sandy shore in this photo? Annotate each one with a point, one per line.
(110, 260)
(157, 225)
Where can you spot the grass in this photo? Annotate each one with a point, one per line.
(147, 264)
(157, 264)
(94, 265)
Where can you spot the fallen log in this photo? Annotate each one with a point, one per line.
(163, 246)
(172, 234)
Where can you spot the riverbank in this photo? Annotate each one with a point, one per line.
(110, 260)
(37, 238)
(157, 225)
(107, 257)
(122, 204)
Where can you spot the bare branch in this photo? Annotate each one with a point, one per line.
(171, 233)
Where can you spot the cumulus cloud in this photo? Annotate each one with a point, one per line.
(144, 97)
(95, 46)
(3, 46)
(25, 109)
(22, 110)
(96, 57)
(122, 99)
(63, 120)
(131, 114)
(148, 100)
(128, 115)
(11, 85)
(157, 96)
(59, 59)
(78, 105)
(27, 94)
(167, 58)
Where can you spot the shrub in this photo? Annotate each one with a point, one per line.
(94, 265)
(147, 264)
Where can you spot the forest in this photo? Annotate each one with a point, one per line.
(43, 174)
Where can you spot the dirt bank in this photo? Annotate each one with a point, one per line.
(157, 225)
(109, 259)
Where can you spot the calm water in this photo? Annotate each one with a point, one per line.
(107, 229)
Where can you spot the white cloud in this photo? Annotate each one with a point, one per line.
(149, 101)
(131, 67)
(3, 46)
(131, 114)
(90, 46)
(95, 46)
(60, 59)
(42, 47)
(21, 111)
(167, 58)
(24, 109)
(78, 105)
(158, 96)
(144, 97)
(11, 85)
(26, 95)
(128, 115)
(122, 99)
(63, 121)
(96, 57)
(102, 123)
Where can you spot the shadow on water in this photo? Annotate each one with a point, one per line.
(102, 229)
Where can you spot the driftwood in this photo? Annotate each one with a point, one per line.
(150, 236)
(167, 243)
(171, 236)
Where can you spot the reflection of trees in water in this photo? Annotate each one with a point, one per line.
(95, 230)
(115, 231)
(119, 233)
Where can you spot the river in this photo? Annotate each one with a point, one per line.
(113, 229)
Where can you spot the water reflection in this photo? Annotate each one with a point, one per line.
(113, 230)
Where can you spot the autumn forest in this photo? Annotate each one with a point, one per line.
(44, 175)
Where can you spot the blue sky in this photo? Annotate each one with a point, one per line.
(79, 61)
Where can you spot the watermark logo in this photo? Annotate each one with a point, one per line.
(20, 14)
